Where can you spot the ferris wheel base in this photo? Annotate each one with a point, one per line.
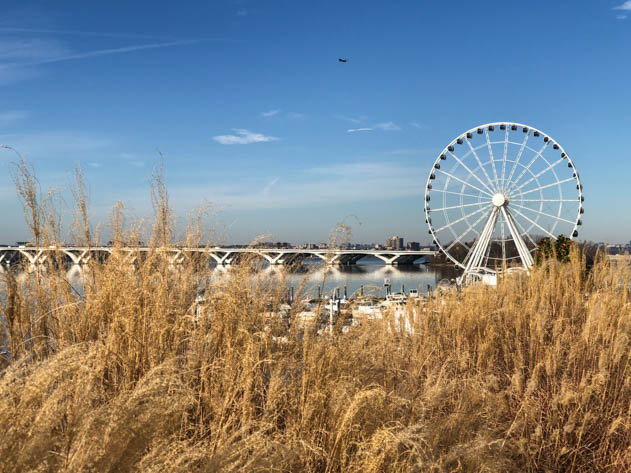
(485, 276)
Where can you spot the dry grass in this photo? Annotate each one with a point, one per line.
(531, 376)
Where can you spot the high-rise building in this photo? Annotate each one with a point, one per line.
(414, 245)
(394, 243)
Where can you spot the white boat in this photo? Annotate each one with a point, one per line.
(399, 298)
(366, 310)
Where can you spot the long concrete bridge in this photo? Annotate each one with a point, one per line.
(10, 255)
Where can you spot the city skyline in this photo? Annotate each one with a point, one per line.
(251, 110)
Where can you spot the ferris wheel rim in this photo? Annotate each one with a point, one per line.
(513, 187)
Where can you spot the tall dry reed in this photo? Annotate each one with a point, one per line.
(122, 376)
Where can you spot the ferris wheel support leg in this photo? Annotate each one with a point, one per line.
(480, 247)
(522, 249)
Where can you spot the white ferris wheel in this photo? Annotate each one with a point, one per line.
(495, 191)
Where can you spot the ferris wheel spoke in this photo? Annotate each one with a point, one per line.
(460, 237)
(521, 151)
(542, 213)
(457, 193)
(523, 231)
(535, 176)
(527, 167)
(548, 200)
(536, 225)
(544, 187)
(477, 158)
(471, 172)
(451, 224)
(460, 206)
(504, 155)
(522, 249)
(463, 182)
(488, 144)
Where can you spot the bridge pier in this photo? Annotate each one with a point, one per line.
(222, 257)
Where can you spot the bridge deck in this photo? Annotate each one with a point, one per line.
(220, 255)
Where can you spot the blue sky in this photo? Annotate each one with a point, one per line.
(252, 111)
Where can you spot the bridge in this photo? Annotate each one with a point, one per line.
(10, 255)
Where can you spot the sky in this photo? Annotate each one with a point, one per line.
(249, 109)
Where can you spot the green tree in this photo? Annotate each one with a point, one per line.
(559, 248)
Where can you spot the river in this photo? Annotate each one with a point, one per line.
(370, 274)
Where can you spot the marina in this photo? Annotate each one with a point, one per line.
(327, 313)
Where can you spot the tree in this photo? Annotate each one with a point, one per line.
(559, 248)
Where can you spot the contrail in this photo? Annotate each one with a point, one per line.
(11, 29)
(104, 52)
(7, 29)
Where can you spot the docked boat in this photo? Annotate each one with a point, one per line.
(366, 310)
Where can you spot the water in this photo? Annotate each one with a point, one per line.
(370, 275)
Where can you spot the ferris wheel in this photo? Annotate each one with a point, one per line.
(495, 191)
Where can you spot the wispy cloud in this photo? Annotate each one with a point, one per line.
(19, 51)
(243, 137)
(387, 126)
(133, 159)
(295, 115)
(626, 6)
(413, 152)
(270, 113)
(16, 52)
(621, 17)
(277, 112)
(7, 118)
(269, 186)
(352, 182)
(416, 125)
(54, 143)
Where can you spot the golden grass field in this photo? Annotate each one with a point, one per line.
(533, 375)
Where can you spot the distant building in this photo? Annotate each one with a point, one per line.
(394, 243)
(272, 244)
(413, 245)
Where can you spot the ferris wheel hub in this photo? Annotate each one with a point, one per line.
(499, 200)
